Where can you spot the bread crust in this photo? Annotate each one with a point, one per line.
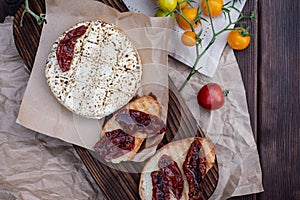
(178, 151)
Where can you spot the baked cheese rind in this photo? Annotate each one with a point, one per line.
(178, 151)
(105, 72)
(146, 104)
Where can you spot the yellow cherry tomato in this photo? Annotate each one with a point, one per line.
(188, 38)
(237, 40)
(215, 7)
(167, 5)
(190, 14)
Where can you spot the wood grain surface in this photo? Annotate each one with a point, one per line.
(117, 181)
(279, 98)
(24, 41)
(270, 70)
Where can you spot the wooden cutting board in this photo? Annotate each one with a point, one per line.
(115, 180)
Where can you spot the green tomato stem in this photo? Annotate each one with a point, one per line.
(40, 19)
(215, 34)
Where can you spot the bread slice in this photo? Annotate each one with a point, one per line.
(146, 104)
(178, 151)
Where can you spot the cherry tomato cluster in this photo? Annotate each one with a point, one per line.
(210, 96)
(237, 39)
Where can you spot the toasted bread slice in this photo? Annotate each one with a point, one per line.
(178, 151)
(146, 104)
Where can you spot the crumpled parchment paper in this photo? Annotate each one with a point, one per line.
(40, 110)
(33, 165)
(39, 167)
(228, 127)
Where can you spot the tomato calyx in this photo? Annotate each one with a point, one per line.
(244, 32)
(225, 92)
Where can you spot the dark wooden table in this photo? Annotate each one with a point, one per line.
(270, 69)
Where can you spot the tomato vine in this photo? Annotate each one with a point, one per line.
(226, 9)
(39, 18)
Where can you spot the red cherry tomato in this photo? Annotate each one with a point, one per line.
(211, 96)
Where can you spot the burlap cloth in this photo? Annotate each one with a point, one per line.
(35, 166)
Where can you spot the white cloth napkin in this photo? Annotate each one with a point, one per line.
(187, 55)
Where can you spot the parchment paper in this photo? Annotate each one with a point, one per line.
(228, 127)
(33, 166)
(41, 112)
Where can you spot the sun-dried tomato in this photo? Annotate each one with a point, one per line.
(133, 121)
(194, 168)
(172, 175)
(65, 48)
(160, 189)
(114, 144)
